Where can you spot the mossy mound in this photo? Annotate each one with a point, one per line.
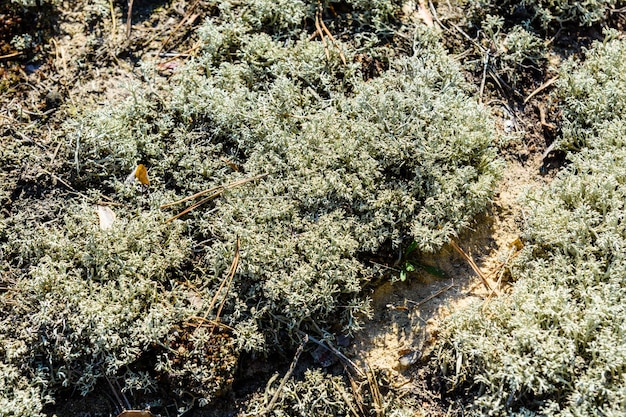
(555, 345)
(546, 14)
(345, 167)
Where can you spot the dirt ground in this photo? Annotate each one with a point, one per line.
(79, 62)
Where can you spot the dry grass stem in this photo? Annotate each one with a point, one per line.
(472, 264)
(541, 88)
(216, 191)
(321, 29)
(226, 281)
(377, 397)
(346, 399)
(283, 381)
(436, 294)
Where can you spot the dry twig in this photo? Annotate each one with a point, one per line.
(11, 55)
(213, 193)
(427, 299)
(541, 88)
(321, 29)
(346, 399)
(472, 264)
(129, 18)
(283, 381)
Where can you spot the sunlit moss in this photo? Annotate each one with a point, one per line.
(555, 345)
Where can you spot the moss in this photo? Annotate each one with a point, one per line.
(546, 14)
(353, 167)
(592, 93)
(555, 345)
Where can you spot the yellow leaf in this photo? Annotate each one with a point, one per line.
(140, 173)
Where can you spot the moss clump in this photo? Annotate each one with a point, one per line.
(90, 300)
(555, 345)
(317, 393)
(548, 14)
(592, 94)
(353, 167)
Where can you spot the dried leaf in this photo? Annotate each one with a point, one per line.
(140, 173)
(106, 216)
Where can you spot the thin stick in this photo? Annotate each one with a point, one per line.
(212, 322)
(375, 391)
(129, 18)
(332, 38)
(335, 351)
(228, 279)
(283, 381)
(541, 88)
(472, 264)
(542, 117)
(346, 399)
(7, 56)
(194, 206)
(482, 81)
(216, 191)
(321, 32)
(231, 275)
(225, 187)
(438, 293)
(113, 23)
(356, 390)
(191, 197)
(175, 55)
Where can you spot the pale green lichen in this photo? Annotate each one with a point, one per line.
(556, 345)
(353, 166)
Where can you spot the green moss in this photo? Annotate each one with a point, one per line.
(354, 167)
(548, 14)
(555, 345)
